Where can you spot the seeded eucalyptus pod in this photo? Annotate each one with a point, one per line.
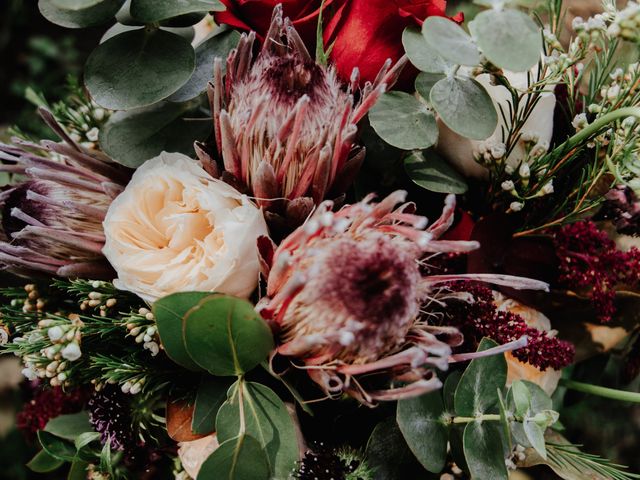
(285, 126)
(52, 221)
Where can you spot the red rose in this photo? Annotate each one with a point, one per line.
(364, 33)
(256, 15)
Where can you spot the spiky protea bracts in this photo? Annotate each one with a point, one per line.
(344, 295)
(285, 127)
(52, 221)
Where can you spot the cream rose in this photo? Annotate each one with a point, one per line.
(461, 152)
(175, 229)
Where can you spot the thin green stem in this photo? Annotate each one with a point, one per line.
(605, 392)
(598, 125)
(487, 417)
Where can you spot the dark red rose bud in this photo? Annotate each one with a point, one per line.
(365, 33)
(255, 15)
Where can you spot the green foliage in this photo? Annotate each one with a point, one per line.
(134, 136)
(69, 426)
(450, 41)
(422, 418)
(89, 16)
(403, 121)
(476, 391)
(255, 410)
(169, 312)
(43, 462)
(238, 458)
(217, 46)
(211, 394)
(433, 173)
(150, 11)
(225, 336)
(508, 38)
(421, 54)
(465, 107)
(483, 451)
(138, 68)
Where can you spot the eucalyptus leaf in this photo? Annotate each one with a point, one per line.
(465, 107)
(43, 462)
(535, 435)
(225, 335)
(434, 173)
(56, 446)
(539, 401)
(69, 426)
(78, 470)
(421, 54)
(403, 121)
(75, 4)
(450, 41)
(388, 455)
(477, 391)
(420, 418)
(138, 68)
(521, 397)
(449, 390)
(509, 38)
(425, 81)
(169, 312)
(212, 393)
(239, 458)
(217, 46)
(85, 439)
(483, 451)
(135, 136)
(150, 11)
(92, 16)
(266, 419)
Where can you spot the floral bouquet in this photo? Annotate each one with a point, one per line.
(339, 239)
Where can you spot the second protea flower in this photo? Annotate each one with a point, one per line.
(285, 128)
(52, 221)
(345, 293)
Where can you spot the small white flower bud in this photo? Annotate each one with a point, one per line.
(55, 333)
(524, 171)
(516, 206)
(71, 352)
(507, 185)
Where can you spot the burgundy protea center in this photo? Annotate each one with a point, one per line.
(285, 127)
(52, 222)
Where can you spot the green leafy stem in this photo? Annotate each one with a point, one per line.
(605, 392)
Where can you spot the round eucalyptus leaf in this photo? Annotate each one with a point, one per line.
(138, 68)
(266, 419)
(117, 29)
(403, 121)
(225, 336)
(91, 16)
(134, 136)
(169, 312)
(239, 458)
(421, 54)
(74, 4)
(150, 11)
(477, 391)
(434, 174)
(217, 46)
(483, 450)
(420, 418)
(450, 41)
(187, 32)
(465, 107)
(425, 82)
(509, 38)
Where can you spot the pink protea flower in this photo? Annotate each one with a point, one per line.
(346, 297)
(52, 221)
(285, 126)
